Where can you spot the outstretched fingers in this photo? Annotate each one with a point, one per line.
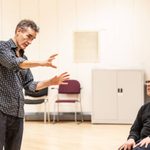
(53, 56)
(64, 77)
(50, 59)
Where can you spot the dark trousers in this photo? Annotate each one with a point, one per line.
(11, 130)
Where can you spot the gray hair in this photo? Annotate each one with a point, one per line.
(27, 23)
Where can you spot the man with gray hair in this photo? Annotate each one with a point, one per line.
(15, 75)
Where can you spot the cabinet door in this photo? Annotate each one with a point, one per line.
(131, 98)
(104, 101)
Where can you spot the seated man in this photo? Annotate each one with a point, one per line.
(139, 136)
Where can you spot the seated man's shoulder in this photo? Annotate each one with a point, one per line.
(146, 105)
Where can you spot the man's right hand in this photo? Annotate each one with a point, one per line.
(128, 145)
(48, 62)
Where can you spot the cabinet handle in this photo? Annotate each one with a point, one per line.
(121, 90)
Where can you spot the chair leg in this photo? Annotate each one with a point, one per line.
(81, 112)
(54, 115)
(57, 111)
(48, 116)
(48, 111)
(45, 112)
(75, 113)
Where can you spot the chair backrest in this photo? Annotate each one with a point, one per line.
(43, 92)
(73, 87)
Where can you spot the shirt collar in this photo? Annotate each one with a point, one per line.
(14, 47)
(12, 44)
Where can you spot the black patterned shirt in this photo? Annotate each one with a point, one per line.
(13, 79)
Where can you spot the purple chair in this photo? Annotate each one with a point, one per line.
(72, 88)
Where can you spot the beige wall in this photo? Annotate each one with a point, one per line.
(123, 25)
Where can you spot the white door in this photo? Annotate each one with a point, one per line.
(104, 108)
(131, 96)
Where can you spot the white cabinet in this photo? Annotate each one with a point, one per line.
(117, 95)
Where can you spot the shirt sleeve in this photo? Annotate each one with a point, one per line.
(8, 59)
(28, 80)
(137, 126)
